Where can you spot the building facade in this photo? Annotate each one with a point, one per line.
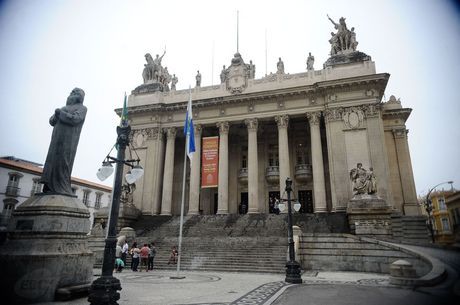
(19, 180)
(312, 127)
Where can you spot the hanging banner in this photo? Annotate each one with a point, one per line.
(210, 162)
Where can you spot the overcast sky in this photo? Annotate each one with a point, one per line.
(49, 47)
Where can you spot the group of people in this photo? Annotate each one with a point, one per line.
(273, 205)
(142, 256)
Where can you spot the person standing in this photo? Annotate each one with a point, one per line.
(152, 253)
(144, 255)
(124, 252)
(135, 254)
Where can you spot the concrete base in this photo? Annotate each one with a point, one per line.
(369, 215)
(46, 249)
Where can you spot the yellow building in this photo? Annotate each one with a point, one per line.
(453, 207)
(442, 222)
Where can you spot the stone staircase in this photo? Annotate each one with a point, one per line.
(410, 229)
(237, 243)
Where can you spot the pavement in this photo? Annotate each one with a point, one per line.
(158, 287)
(217, 288)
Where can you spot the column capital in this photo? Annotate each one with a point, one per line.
(223, 127)
(400, 133)
(333, 114)
(371, 111)
(251, 124)
(197, 129)
(171, 132)
(282, 121)
(313, 117)
(153, 133)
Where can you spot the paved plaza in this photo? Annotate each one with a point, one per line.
(156, 287)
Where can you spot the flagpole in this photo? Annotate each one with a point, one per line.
(182, 211)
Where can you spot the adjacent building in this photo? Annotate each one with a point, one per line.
(19, 180)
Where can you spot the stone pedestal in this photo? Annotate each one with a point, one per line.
(369, 215)
(46, 249)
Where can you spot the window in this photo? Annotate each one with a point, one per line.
(86, 197)
(36, 186)
(74, 190)
(97, 203)
(445, 224)
(442, 204)
(244, 161)
(302, 153)
(273, 159)
(12, 188)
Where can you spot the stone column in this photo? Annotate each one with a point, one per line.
(378, 152)
(319, 189)
(223, 168)
(194, 198)
(283, 150)
(339, 177)
(152, 166)
(253, 173)
(159, 171)
(168, 171)
(405, 171)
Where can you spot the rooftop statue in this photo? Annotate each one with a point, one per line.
(310, 62)
(67, 123)
(154, 73)
(280, 67)
(344, 41)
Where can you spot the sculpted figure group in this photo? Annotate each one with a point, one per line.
(155, 73)
(250, 69)
(364, 181)
(344, 39)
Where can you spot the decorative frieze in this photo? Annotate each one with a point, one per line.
(282, 120)
(353, 117)
(313, 117)
(223, 127)
(333, 114)
(251, 124)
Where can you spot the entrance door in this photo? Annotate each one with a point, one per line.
(216, 203)
(272, 196)
(243, 207)
(306, 201)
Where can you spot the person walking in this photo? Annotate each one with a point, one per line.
(144, 255)
(152, 253)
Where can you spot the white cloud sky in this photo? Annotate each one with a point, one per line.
(49, 47)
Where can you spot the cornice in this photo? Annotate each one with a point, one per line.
(311, 92)
(402, 113)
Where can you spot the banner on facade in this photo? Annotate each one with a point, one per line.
(210, 162)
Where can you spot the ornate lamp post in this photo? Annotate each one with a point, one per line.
(429, 208)
(292, 267)
(103, 290)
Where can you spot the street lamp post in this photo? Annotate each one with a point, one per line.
(104, 289)
(429, 208)
(292, 267)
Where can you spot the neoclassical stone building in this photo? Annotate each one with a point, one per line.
(313, 127)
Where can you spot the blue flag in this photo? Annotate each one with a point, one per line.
(188, 129)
